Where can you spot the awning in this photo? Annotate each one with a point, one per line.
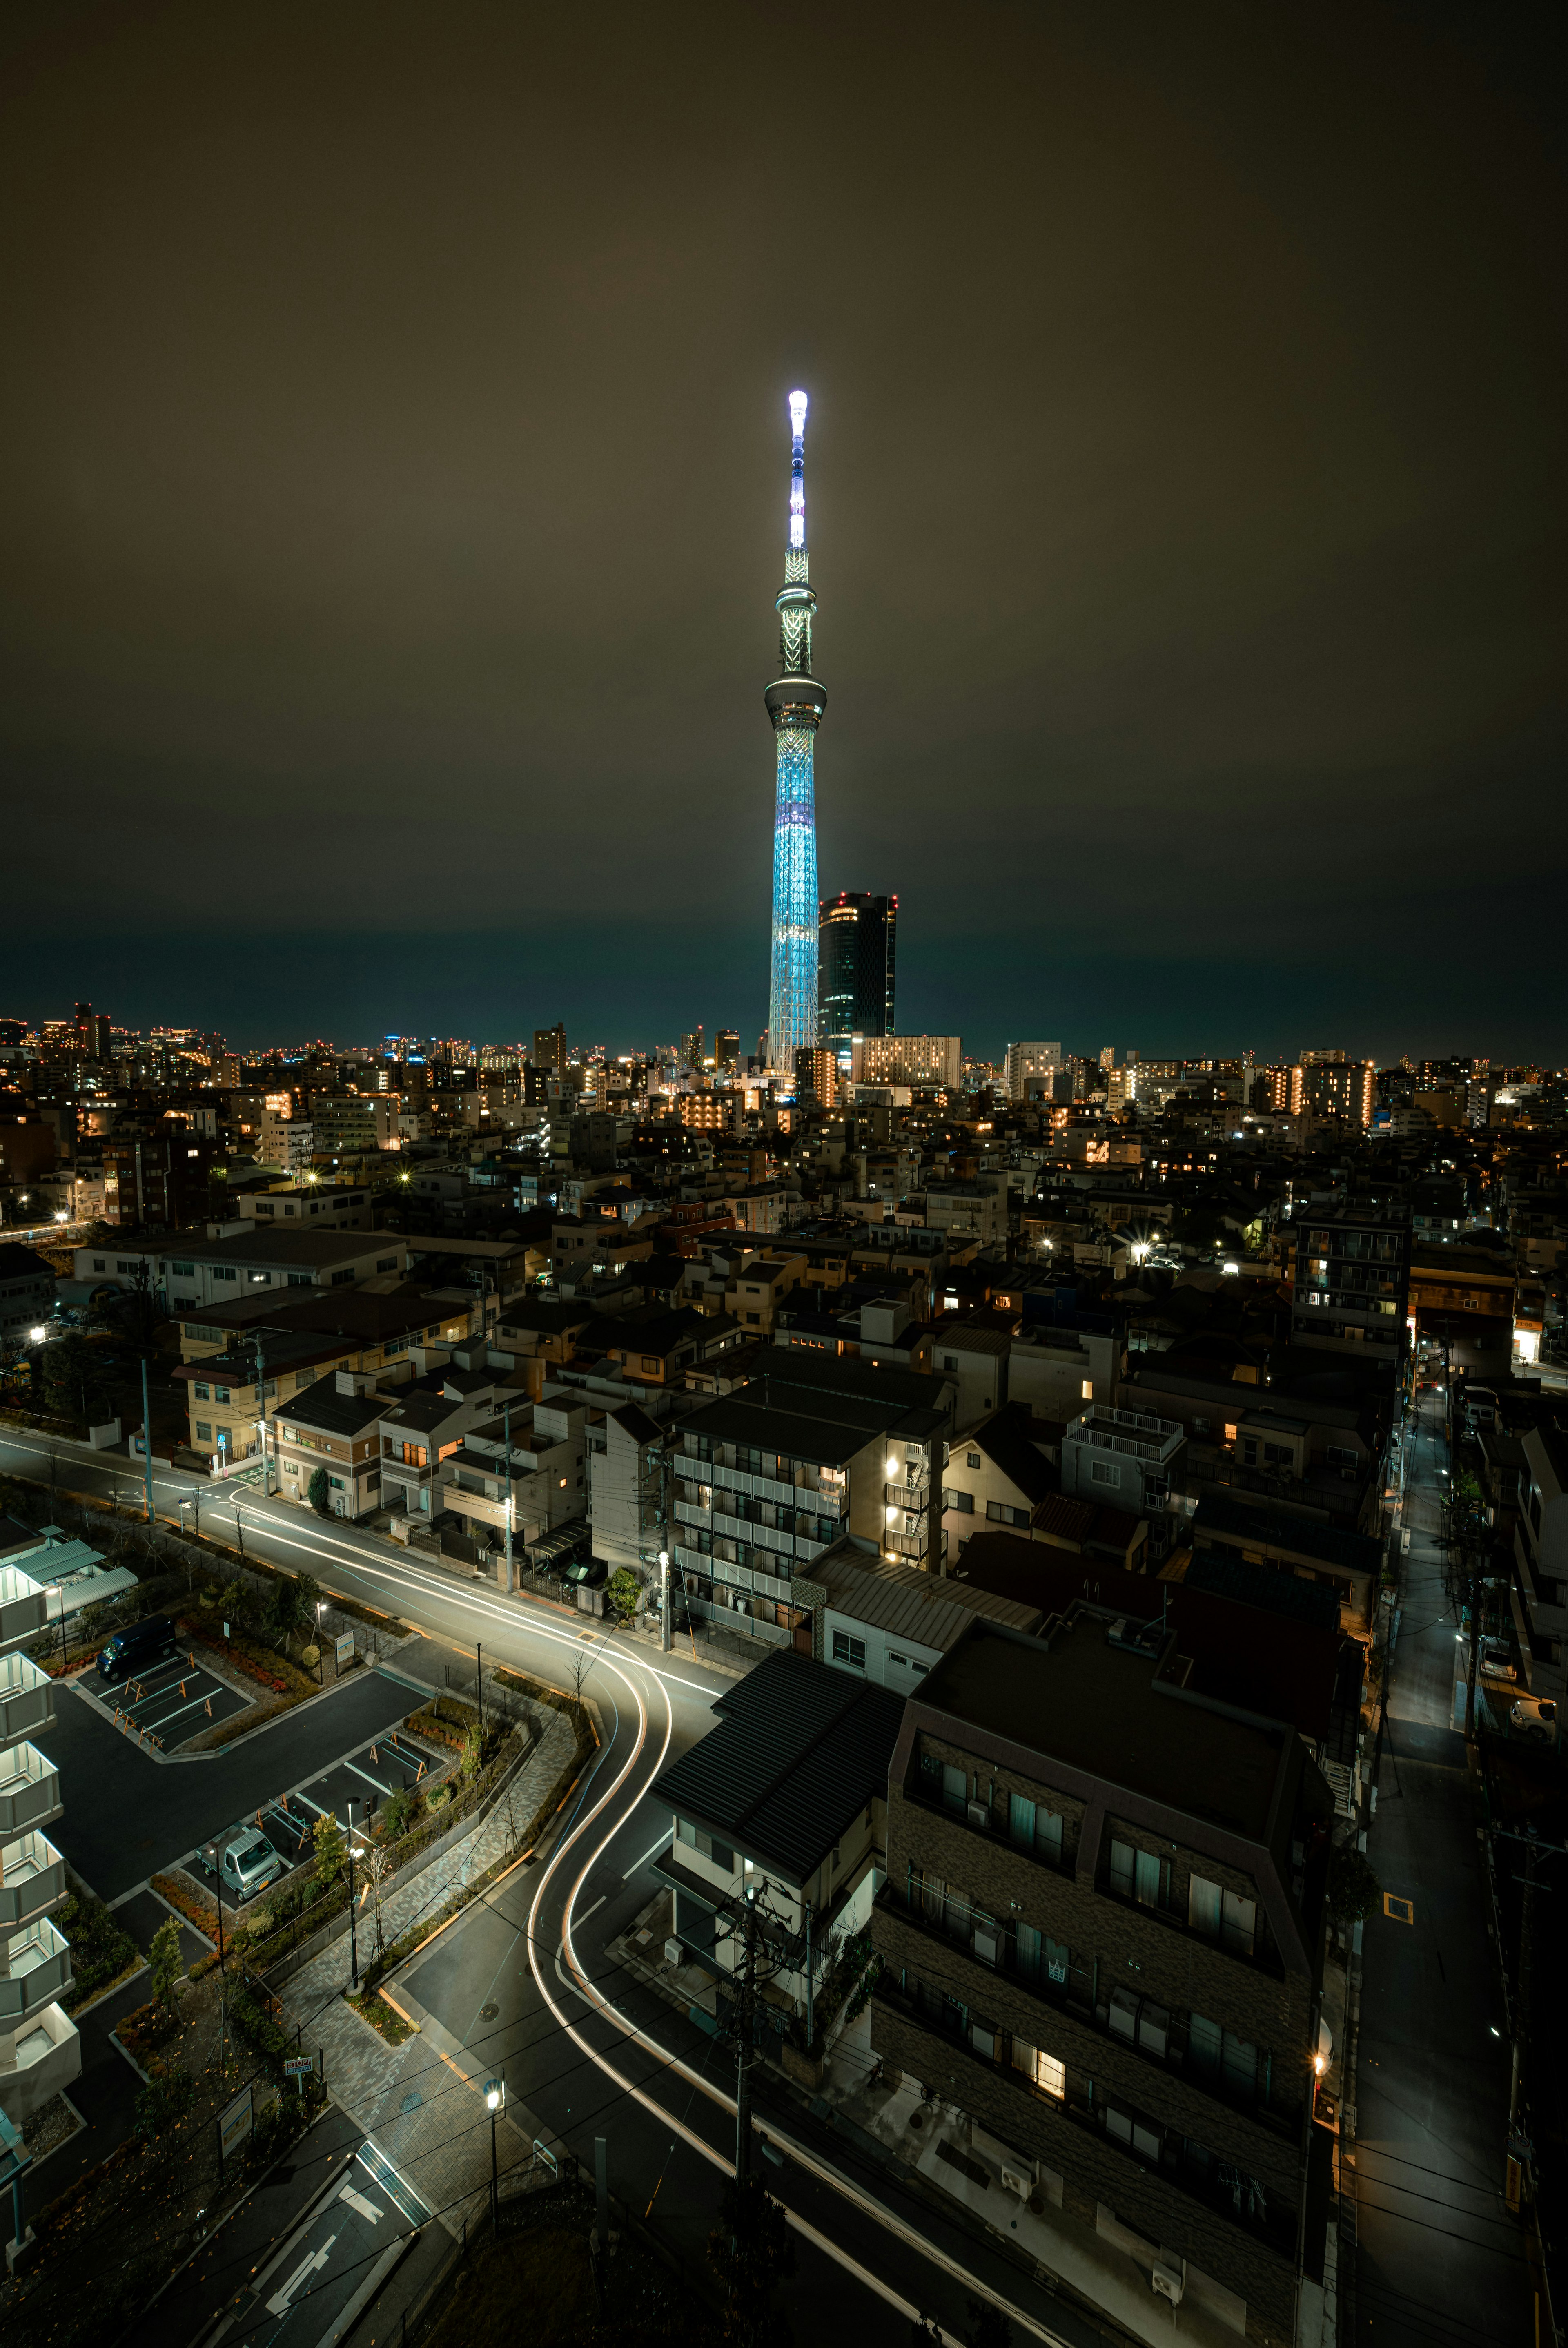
(564, 1537)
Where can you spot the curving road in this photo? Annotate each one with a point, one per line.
(526, 1975)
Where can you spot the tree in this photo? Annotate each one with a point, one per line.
(750, 2251)
(1353, 1889)
(236, 1602)
(165, 1962)
(621, 1592)
(331, 1850)
(473, 1753)
(316, 1491)
(73, 1379)
(164, 2102)
(288, 1608)
(988, 2327)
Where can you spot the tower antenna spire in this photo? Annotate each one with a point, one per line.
(794, 705)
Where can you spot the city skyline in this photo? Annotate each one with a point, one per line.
(1137, 598)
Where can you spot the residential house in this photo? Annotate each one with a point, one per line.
(779, 1823)
(974, 1353)
(423, 1432)
(888, 1624)
(27, 1288)
(543, 1482)
(626, 1450)
(1127, 1458)
(996, 1474)
(332, 1424)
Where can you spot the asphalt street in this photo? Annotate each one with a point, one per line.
(580, 2047)
(1438, 2259)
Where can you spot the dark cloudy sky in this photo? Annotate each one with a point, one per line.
(392, 476)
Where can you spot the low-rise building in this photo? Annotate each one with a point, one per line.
(332, 1424)
(542, 1484)
(779, 1835)
(27, 1288)
(996, 1474)
(1346, 1563)
(1127, 1458)
(423, 1432)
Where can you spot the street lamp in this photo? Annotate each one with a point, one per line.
(496, 2101)
(353, 1934)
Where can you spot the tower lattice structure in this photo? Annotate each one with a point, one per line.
(795, 703)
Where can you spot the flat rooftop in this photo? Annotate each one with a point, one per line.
(1073, 1695)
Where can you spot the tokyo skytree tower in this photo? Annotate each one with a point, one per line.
(796, 703)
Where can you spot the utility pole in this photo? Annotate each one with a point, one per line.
(665, 1636)
(479, 1685)
(147, 1438)
(1526, 1964)
(261, 1404)
(353, 1934)
(743, 2063)
(507, 1439)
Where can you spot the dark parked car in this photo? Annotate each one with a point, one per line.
(137, 1648)
(588, 1574)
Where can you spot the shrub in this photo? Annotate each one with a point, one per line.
(166, 1963)
(164, 2102)
(316, 1491)
(621, 1592)
(1353, 1888)
(101, 1950)
(310, 1657)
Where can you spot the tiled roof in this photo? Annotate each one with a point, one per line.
(799, 1751)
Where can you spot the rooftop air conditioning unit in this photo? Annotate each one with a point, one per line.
(673, 1952)
(1168, 2284)
(980, 1814)
(1013, 2183)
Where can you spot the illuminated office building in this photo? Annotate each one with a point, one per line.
(856, 964)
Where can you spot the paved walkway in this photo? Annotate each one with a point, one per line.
(423, 2101)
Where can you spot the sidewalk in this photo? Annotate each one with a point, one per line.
(422, 2101)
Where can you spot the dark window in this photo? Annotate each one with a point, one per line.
(850, 1651)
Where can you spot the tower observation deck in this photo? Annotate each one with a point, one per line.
(794, 705)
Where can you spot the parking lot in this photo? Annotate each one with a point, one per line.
(169, 1704)
(390, 1762)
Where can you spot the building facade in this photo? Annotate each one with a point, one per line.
(856, 968)
(1102, 1940)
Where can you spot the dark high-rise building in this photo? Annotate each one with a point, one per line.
(855, 940)
(550, 1049)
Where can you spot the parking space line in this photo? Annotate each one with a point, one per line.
(368, 1779)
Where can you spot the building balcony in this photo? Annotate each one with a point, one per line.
(39, 1962)
(29, 1791)
(916, 1497)
(1148, 2167)
(480, 1507)
(26, 1699)
(903, 1544)
(24, 1608)
(32, 1880)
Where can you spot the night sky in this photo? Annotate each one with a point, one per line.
(393, 464)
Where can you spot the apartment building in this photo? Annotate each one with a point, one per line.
(334, 1423)
(1101, 1936)
(1538, 1593)
(1352, 1282)
(1346, 1563)
(40, 2051)
(1466, 1299)
(767, 1477)
(187, 1273)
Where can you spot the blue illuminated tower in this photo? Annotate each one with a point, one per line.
(796, 703)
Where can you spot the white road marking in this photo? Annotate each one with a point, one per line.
(589, 1911)
(638, 1864)
(356, 2201)
(313, 2259)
